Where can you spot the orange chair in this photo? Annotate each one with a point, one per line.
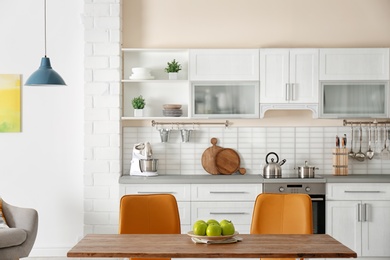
(149, 214)
(282, 214)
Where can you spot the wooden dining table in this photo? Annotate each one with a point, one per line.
(181, 246)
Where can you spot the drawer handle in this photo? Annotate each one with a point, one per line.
(231, 192)
(156, 192)
(362, 191)
(228, 213)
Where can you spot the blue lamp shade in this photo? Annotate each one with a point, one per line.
(45, 75)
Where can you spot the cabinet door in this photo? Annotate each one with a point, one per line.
(225, 99)
(343, 224)
(304, 76)
(354, 64)
(376, 228)
(289, 76)
(224, 64)
(274, 78)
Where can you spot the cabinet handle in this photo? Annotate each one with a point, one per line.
(293, 91)
(365, 212)
(287, 92)
(228, 213)
(156, 192)
(362, 191)
(359, 212)
(227, 192)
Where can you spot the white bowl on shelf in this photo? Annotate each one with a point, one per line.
(141, 71)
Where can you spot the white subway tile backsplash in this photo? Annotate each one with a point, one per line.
(296, 145)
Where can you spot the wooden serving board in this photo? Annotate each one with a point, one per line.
(208, 157)
(228, 161)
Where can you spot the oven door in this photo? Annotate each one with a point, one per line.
(318, 205)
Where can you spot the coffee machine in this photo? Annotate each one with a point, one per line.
(142, 162)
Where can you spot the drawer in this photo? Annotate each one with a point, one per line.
(358, 191)
(225, 192)
(180, 191)
(240, 213)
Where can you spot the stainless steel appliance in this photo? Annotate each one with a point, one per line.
(314, 187)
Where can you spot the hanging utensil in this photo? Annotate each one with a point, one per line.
(378, 148)
(370, 153)
(385, 154)
(360, 156)
(351, 152)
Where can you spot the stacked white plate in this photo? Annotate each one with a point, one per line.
(141, 73)
(173, 110)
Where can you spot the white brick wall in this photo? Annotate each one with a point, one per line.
(102, 113)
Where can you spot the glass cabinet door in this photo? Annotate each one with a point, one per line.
(348, 100)
(225, 100)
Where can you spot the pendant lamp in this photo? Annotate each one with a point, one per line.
(45, 75)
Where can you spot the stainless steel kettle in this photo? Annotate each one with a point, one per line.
(272, 169)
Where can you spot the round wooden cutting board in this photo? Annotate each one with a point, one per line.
(227, 161)
(208, 157)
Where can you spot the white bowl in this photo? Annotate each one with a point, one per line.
(141, 71)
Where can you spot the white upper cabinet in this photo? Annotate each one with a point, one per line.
(289, 80)
(354, 64)
(224, 64)
(289, 76)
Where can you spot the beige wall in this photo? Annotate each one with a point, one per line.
(255, 23)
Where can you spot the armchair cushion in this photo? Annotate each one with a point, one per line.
(12, 237)
(3, 223)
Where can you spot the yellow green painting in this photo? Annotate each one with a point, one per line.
(10, 95)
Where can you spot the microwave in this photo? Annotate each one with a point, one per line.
(354, 99)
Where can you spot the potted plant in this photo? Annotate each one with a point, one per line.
(172, 69)
(138, 105)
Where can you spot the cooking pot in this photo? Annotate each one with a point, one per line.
(273, 169)
(306, 171)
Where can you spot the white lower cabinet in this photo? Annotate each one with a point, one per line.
(180, 191)
(205, 201)
(358, 215)
(225, 201)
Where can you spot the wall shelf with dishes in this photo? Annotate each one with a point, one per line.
(144, 74)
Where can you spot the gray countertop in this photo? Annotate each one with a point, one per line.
(249, 178)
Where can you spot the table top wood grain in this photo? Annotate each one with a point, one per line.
(181, 246)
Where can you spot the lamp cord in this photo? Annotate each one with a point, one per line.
(44, 21)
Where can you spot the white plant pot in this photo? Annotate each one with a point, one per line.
(138, 112)
(172, 75)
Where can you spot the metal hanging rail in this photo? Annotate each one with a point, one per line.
(226, 123)
(372, 122)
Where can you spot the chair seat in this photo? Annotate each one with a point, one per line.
(12, 237)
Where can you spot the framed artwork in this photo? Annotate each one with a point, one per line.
(10, 103)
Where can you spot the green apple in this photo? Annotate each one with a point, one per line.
(213, 229)
(200, 221)
(224, 221)
(212, 221)
(199, 228)
(227, 228)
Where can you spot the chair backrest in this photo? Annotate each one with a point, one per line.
(282, 214)
(149, 214)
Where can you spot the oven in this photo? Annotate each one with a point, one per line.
(316, 191)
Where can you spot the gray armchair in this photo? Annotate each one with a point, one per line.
(17, 241)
